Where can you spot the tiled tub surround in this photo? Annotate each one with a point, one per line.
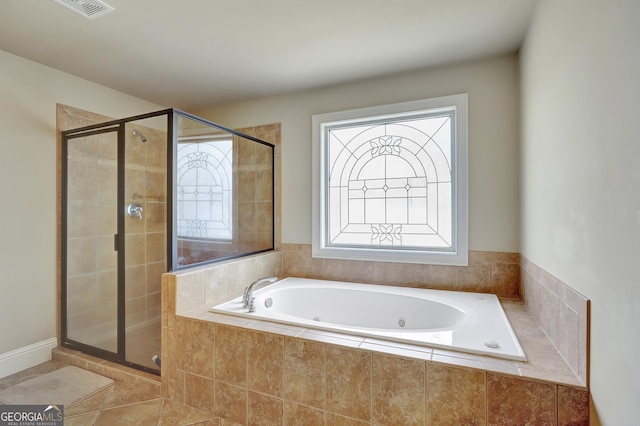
(253, 372)
(561, 312)
(453, 320)
(488, 272)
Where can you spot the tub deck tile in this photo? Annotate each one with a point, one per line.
(397, 351)
(225, 319)
(475, 361)
(544, 362)
(273, 327)
(331, 338)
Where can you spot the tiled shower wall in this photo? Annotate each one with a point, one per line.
(146, 239)
(91, 261)
(256, 194)
(255, 226)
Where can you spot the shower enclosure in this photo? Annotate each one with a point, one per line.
(142, 196)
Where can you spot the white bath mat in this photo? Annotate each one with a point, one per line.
(65, 386)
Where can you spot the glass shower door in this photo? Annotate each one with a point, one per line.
(145, 230)
(89, 234)
(114, 238)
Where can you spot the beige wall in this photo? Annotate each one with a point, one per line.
(492, 86)
(28, 96)
(581, 178)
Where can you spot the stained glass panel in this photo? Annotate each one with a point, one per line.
(390, 182)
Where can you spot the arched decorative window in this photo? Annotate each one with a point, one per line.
(204, 189)
(390, 182)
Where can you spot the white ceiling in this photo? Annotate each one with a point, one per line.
(191, 54)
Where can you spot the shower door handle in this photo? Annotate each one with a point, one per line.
(116, 240)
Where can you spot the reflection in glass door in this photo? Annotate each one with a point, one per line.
(91, 267)
(114, 234)
(145, 230)
(133, 208)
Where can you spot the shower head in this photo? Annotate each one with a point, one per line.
(143, 138)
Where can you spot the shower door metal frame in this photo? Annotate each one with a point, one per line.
(119, 238)
(173, 178)
(172, 115)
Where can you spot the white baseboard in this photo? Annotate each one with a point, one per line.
(26, 357)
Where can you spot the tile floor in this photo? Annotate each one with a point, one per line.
(121, 404)
(142, 342)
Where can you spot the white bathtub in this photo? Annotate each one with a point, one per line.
(467, 322)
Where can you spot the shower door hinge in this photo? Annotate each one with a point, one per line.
(115, 242)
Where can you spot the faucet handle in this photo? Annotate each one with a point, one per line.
(135, 210)
(252, 305)
(245, 302)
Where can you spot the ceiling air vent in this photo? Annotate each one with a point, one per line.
(88, 8)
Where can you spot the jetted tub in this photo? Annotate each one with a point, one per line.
(467, 322)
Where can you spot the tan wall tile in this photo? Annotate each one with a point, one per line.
(155, 217)
(196, 344)
(156, 247)
(296, 414)
(265, 363)
(348, 375)
(247, 190)
(231, 355)
(83, 252)
(189, 291)
(476, 276)
(561, 312)
(297, 261)
(304, 372)
(403, 391)
(337, 420)
(135, 279)
(135, 244)
(398, 391)
(401, 274)
(441, 276)
(455, 396)
(231, 402)
(156, 186)
(264, 410)
(169, 353)
(227, 280)
(264, 217)
(505, 277)
(518, 402)
(264, 187)
(246, 151)
(573, 407)
(180, 386)
(490, 272)
(345, 270)
(223, 422)
(107, 258)
(199, 392)
(135, 311)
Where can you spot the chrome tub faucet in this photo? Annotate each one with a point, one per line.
(247, 297)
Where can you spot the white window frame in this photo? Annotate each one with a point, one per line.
(458, 254)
